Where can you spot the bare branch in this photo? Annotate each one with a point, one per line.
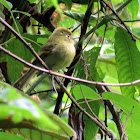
(66, 76)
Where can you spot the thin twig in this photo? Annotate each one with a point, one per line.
(125, 29)
(135, 20)
(92, 100)
(106, 19)
(89, 106)
(38, 92)
(124, 133)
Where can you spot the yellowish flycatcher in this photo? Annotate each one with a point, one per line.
(58, 53)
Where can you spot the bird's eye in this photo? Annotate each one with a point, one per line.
(68, 36)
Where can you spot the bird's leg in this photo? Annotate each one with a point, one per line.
(52, 82)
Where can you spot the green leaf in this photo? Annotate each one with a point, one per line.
(16, 25)
(127, 60)
(42, 40)
(79, 16)
(88, 92)
(27, 119)
(132, 129)
(95, 105)
(133, 8)
(6, 136)
(7, 4)
(94, 73)
(126, 104)
(91, 57)
(14, 67)
(24, 13)
(107, 64)
(108, 67)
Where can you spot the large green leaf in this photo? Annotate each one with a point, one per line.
(95, 105)
(126, 104)
(127, 60)
(24, 115)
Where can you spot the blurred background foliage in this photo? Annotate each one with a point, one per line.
(110, 55)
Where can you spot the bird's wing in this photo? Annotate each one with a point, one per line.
(45, 50)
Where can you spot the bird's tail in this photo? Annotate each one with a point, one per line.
(24, 80)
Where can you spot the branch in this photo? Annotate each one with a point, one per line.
(113, 110)
(66, 76)
(104, 128)
(89, 105)
(124, 133)
(116, 118)
(31, 8)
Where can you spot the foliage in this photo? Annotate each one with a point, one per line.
(22, 112)
(110, 55)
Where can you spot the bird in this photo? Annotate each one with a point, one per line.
(57, 53)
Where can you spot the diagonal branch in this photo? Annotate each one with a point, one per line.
(24, 42)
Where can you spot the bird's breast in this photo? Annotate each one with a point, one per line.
(61, 56)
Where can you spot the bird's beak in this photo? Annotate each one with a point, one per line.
(75, 37)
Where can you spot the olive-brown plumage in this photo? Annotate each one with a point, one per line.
(58, 53)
